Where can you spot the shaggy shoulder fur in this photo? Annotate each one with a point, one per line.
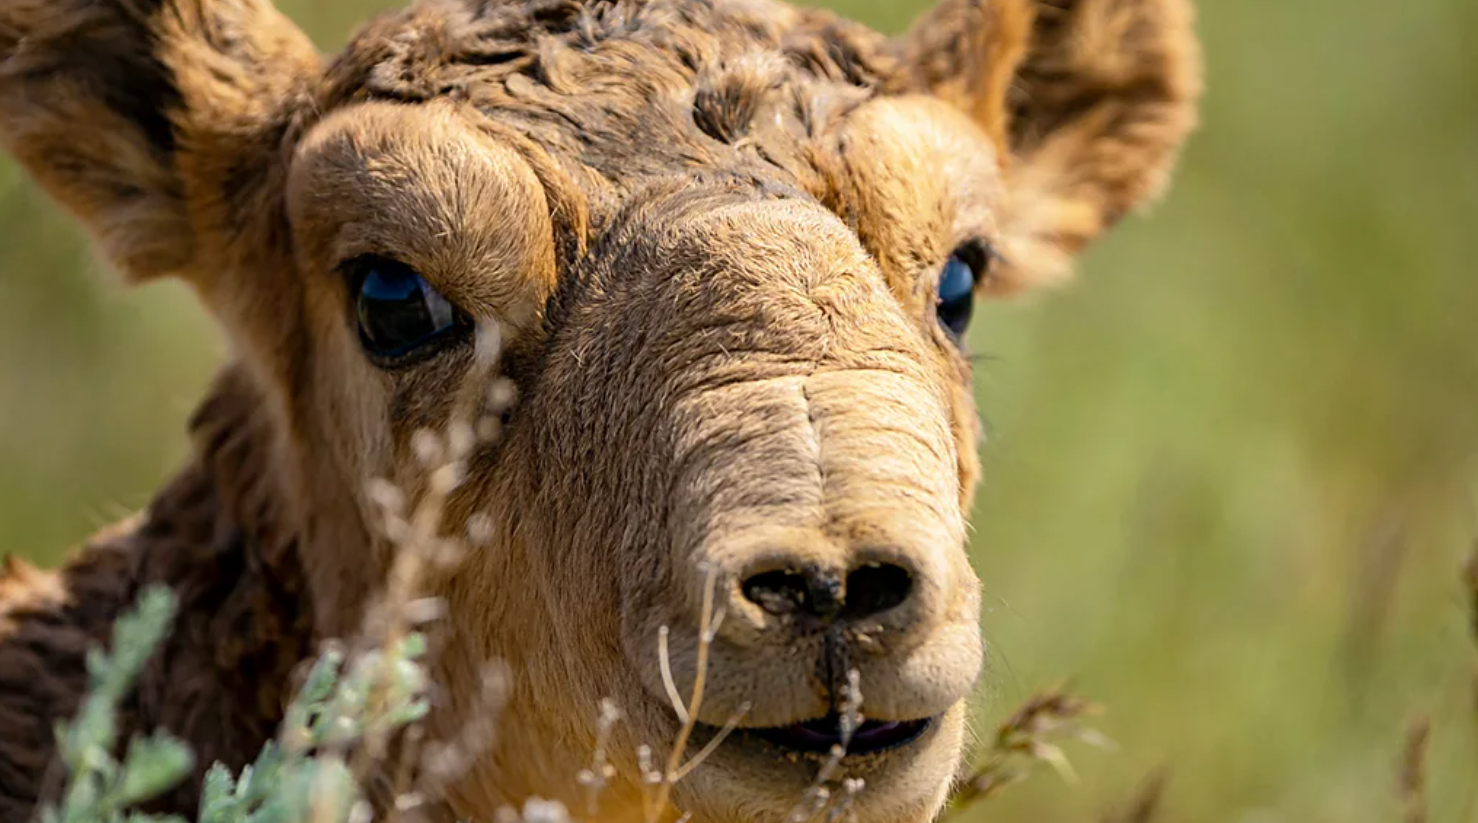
(221, 680)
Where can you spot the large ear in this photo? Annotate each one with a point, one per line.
(130, 111)
(1088, 101)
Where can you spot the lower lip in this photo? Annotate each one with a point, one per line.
(821, 736)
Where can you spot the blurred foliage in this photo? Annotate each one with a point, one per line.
(1231, 471)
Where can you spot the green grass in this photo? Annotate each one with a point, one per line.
(1230, 481)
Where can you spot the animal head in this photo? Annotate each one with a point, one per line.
(728, 250)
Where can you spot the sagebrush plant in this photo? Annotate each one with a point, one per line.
(334, 736)
(304, 775)
(301, 776)
(101, 789)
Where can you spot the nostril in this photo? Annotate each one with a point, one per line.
(876, 588)
(870, 589)
(778, 592)
(788, 591)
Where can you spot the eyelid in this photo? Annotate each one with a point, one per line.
(354, 269)
(980, 255)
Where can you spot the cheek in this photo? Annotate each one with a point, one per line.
(342, 400)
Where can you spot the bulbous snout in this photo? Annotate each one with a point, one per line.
(813, 472)
(855, 564)
(752, 449)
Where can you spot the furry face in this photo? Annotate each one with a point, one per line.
(728, 247)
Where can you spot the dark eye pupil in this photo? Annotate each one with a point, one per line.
(956, 295)
(397, 309)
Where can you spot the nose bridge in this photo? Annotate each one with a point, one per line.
(884, 445)
(817, 443)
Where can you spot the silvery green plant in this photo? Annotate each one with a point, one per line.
(304, 776)
(101, 789)
(301, 777)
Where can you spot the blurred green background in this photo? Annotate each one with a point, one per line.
(1231, 475)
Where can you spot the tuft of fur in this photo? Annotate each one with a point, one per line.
(728, 97)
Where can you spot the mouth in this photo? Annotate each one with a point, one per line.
(821, 736)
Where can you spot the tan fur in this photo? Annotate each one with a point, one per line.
(710, 233)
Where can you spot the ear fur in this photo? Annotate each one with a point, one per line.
(1089, 102)
(111, 103)
(968, 53)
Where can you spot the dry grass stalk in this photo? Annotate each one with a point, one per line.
(1470, 583)
(595, 779)
(534, 810)
(1385, 559)
(1146, 803)
(1411, 776)
(443, 761)
(657, 785)
(821, 799)
(416, 534)
(1025, 739)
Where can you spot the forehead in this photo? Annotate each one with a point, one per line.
(632, 88)
(607, 105)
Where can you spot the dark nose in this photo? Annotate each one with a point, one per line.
(869, 589)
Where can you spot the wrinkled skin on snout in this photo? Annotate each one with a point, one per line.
(726, 252)
(792, 417)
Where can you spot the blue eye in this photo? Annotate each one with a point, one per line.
(968, 265)
(399, 313)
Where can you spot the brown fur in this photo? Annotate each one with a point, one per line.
(710, 232)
